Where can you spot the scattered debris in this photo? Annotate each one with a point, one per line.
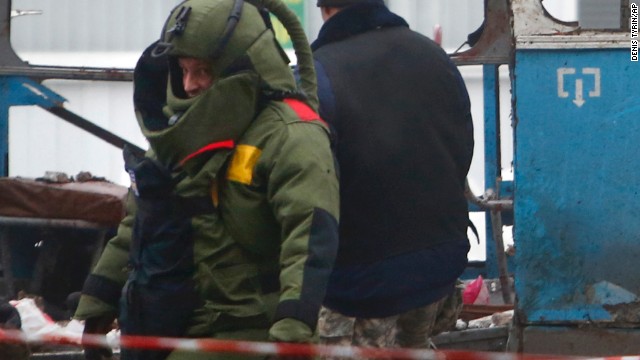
(58, 177)
(55, 177)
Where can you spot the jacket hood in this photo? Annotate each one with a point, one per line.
(354, 20)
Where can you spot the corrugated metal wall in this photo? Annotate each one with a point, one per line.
(105, 33)
(88, 25)
(127, 25)
(111, 33)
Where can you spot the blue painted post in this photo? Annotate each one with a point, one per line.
(492, 158)
(19, 91)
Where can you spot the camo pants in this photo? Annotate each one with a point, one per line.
(412, 329)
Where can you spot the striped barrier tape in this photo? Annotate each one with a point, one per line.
(280, 349)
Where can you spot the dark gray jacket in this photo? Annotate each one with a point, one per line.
(404, 142)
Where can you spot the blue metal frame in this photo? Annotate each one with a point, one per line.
(492, 158)
(577, 181)
(4, 128)
(492, 172)
(20, 91)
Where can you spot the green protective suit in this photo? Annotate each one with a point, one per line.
(262, 256)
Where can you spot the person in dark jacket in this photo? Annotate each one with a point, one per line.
(401, 117)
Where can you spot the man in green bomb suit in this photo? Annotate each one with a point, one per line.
(231, 225)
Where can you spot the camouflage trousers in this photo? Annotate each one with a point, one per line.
(412, 329)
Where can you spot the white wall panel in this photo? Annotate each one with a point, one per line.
(39, 141)
(88, 25)
(111, 33)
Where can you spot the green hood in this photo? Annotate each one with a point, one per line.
(250, 65)
(251, 46)
(219, 115)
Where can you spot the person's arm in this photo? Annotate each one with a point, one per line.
(101, 291)
(98, 304)
(303, 192)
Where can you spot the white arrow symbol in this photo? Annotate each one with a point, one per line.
(579, 100)
(596, 80)
(561, 73)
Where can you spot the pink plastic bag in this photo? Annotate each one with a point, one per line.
(476, 292)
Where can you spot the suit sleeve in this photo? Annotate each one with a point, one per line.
(101, 290)
(303, 192)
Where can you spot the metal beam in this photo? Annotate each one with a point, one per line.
(93, 129)
(40, 73)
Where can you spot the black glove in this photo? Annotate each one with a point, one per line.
(99, 325)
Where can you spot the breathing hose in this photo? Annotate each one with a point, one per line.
(289, 20)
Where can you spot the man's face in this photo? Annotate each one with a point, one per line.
(197, 75)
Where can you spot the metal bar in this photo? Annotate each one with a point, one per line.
(38, 222)
(501, 257)
(625, 15)
(7, 271)
(92, 128)
(488, 339)
(585, 40)
(59, 355)
(480, 60)
(68, 73)
(4, 128)
(493, 153)
(487, 203)
(24, 91)
(495, 44)
(492, 157)
(64, 355)
(7, 55)
(12, 65)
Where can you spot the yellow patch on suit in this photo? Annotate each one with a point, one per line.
(242, 164)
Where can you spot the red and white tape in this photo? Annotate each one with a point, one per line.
(280, 349)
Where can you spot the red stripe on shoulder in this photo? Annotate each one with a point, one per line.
(226, 144)
(304, 111)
